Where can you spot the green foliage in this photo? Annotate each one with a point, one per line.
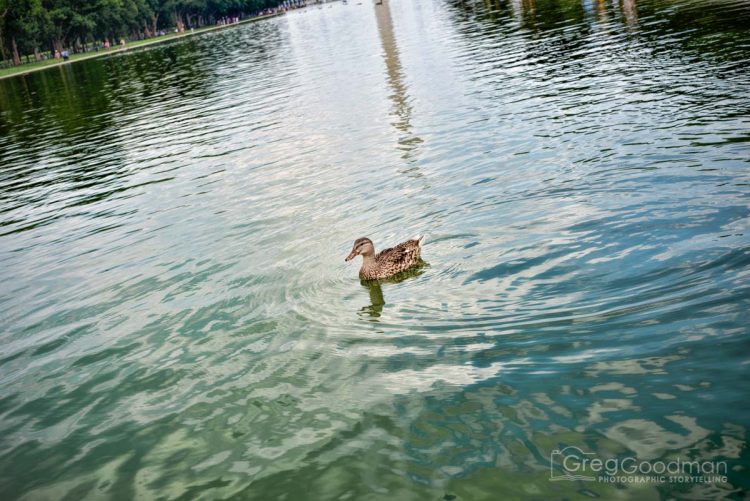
(28, 26)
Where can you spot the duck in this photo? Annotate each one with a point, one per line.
(387, 262)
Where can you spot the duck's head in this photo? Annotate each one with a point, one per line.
(361, 246)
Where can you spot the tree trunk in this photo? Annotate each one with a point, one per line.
(155, 18)
(16, 57)
(180, 24)
(2, 49)
(2, 39)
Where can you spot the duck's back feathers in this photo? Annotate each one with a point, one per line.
(402, 252)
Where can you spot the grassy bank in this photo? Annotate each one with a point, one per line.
(137, 44)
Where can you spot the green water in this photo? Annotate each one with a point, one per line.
(178, 321)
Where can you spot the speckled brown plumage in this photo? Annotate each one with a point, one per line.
(388, 262)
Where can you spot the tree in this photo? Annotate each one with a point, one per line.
(26, 26)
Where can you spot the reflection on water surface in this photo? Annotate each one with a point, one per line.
(179, 321)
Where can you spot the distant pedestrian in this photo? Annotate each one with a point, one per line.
(106, 43)
(65, 55)
(57, 54)
(122, 42)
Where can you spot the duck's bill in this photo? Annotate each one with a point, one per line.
(351, 256)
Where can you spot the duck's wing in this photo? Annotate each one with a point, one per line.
(386, 254)
(401, 256)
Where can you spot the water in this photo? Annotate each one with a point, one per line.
(179, 322)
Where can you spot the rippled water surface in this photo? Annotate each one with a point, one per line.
(178, 320)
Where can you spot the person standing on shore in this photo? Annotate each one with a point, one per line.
(106, 43)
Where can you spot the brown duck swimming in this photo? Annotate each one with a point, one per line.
(388, 262)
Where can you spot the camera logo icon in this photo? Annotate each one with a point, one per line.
(570, 464)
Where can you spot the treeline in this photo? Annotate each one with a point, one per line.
(44, 27)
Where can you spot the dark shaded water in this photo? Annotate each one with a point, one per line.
(178, 320)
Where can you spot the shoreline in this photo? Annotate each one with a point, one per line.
(45, 65)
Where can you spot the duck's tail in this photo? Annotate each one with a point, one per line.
(419, 239)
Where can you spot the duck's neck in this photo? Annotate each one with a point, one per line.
(368, 262)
